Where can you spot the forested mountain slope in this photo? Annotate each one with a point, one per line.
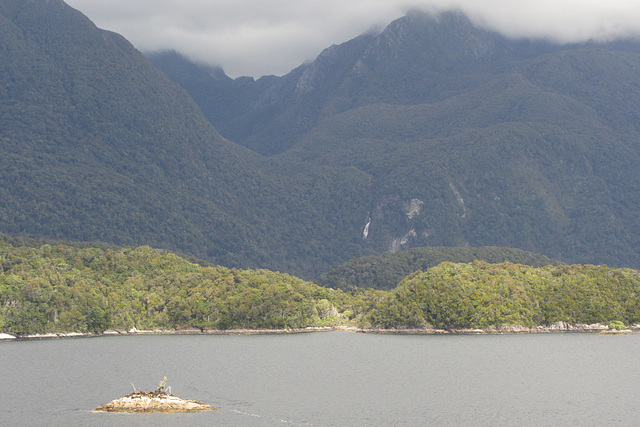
(431, 133)
(96, 144)
(469, 138)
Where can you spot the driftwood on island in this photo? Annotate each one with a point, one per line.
(156, 401)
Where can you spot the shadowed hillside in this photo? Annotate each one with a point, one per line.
(431, 133)
(98, 145)
(469, 138)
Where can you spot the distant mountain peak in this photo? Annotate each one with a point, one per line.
(306, 82)
(449, 33)
(416, 34)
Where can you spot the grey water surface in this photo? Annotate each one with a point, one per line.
(329, 379)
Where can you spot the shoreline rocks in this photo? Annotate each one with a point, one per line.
(558, 327)
(147, 402)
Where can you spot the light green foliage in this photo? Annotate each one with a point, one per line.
(617, 325)
(56, 288)
(481, 295)
(63, 288)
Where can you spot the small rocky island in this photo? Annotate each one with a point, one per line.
(156, 401)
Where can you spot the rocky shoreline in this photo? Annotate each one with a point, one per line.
(558, 327)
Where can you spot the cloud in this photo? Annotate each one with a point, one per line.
(559, 20)
(259, 37)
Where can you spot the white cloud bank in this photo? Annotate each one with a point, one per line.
(260, 37)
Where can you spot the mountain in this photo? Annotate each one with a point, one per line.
(405, 64)
(96, 144)
(468, 138)
(267, 115)
(432, 133)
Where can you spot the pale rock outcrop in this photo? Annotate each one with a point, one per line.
(153, 402)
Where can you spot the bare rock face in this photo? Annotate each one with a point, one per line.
(153, 402)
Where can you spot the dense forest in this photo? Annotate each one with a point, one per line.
(481, 295)
(82, 288)
(432, 132)
(98, 144)
(64, 288)
(468, 138)
(385, 271)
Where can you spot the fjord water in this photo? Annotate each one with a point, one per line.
(329, 379)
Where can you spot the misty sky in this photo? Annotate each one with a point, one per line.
(261, 37)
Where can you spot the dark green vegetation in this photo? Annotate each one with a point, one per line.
(61, 288)
(432, 133)
(98, 145)
(387, 270)
(481, 295)
(468, 138)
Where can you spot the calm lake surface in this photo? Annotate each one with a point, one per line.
(329, 379)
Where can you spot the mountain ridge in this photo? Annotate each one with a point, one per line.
(453, 44)
(516, 143)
